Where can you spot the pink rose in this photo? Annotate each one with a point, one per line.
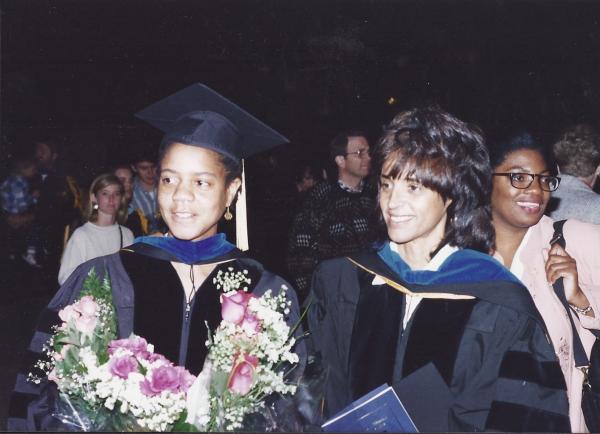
(185, 379)
(164, 377)
(86, 324)
(59, 357)
(68, 313)
(52, 376)
(153, 357)
(233, 307)
(83, 314)
(137, 345)
(123, 366)
(250, 324)
(87, 306)
(242, 374)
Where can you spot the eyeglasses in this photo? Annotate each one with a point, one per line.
(524, 180)
(361, 153)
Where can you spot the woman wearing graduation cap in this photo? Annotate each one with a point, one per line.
(164, 287)
(427, 310)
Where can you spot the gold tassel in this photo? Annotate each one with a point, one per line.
(241, 216)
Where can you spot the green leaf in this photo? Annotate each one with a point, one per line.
(102, 292)
(218, 382)
(60, 341)
(182, 426)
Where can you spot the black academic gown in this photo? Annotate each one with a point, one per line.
(150, 302)
(473, 364)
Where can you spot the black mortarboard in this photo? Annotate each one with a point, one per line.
(199, 116)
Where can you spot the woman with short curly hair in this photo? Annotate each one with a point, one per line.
(427, 310)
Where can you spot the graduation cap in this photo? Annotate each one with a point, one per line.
(199, 116)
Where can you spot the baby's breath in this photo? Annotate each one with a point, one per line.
(232, 280)
(271, 345)
(79, 363)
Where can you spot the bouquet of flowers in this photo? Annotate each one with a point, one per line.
(97, 374)
(250, 355)
(106, 384)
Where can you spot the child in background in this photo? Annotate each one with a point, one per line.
(17, 200)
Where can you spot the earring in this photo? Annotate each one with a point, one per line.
(95, 206)
(228, 216)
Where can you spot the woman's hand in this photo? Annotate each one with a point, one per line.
(560, 264)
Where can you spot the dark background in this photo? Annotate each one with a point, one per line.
(80, 69)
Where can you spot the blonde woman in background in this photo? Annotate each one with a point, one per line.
(174, 273)
(103, 233)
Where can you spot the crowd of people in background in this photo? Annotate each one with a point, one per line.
(328, 204)
(40, 205)
(332, 208)
(52, 221)
(320, 209)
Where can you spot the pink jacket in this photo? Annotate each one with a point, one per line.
(583, 244)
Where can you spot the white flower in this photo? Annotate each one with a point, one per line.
(271, 345)
(198, 402)
(232, 281)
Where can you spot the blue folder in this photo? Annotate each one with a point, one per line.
(378, 411)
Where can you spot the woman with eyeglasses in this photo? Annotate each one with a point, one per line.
(524, 176)
(426, 309)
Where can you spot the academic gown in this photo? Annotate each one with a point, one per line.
(150, 302)
(474, 355)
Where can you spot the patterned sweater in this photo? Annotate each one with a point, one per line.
(331, 222)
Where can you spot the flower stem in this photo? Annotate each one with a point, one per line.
(293, 330)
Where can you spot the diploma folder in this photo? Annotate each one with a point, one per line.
(378, 411)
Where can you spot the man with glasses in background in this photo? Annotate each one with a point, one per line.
(334, 219)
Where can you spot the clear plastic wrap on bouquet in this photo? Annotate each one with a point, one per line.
(105, 383)
(254, 378)
(303, 410)
(75, 414)
(300, 412)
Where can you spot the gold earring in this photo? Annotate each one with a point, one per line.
(228, 216)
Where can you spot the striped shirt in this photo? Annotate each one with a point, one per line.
(146, 202)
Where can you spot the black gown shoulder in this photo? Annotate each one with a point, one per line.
(160, 307)
(490, 354)
(149, 301)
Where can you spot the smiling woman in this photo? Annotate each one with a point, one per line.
(166, 286)
(415, 216)
(428, 311)
(524, 178)
(193, 191)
